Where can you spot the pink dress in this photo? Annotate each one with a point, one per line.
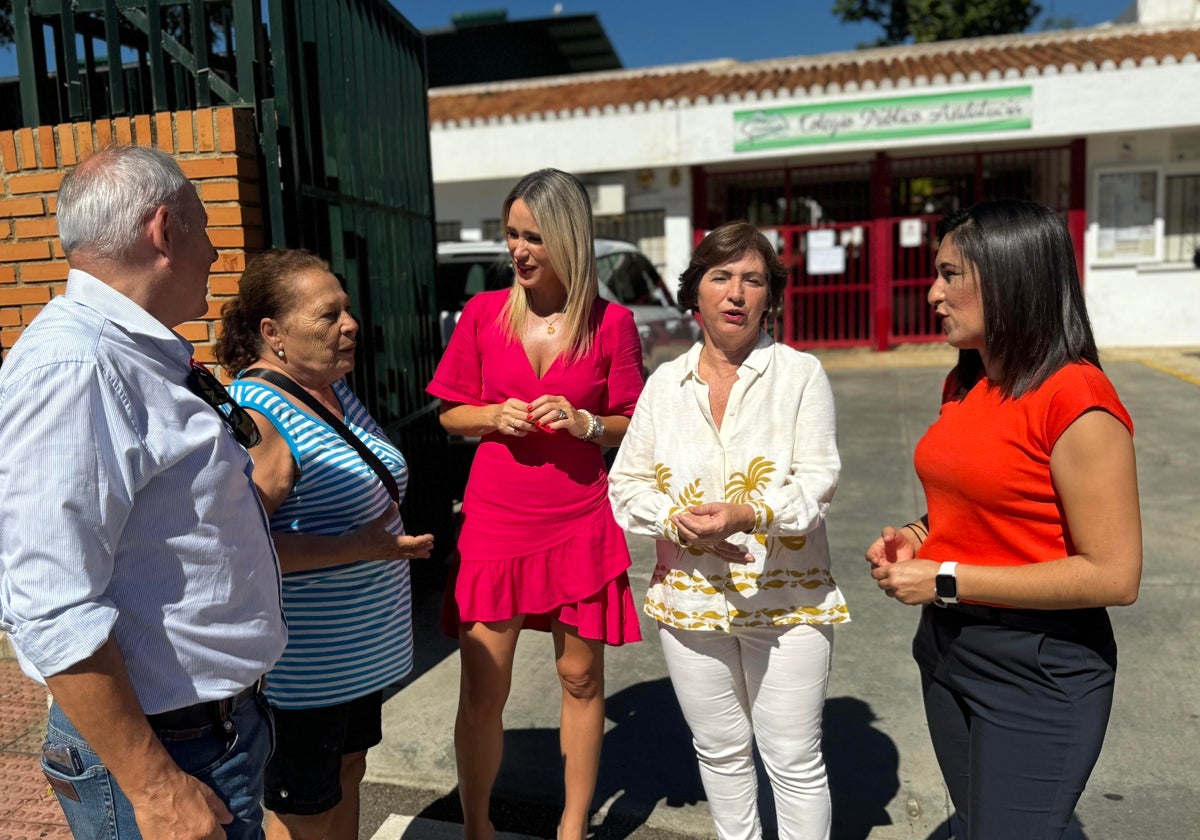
(538, 536)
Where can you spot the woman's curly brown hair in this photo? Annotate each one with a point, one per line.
(265, 291)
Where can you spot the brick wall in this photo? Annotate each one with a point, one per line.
(214, 146)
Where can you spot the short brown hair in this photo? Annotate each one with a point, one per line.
(726, 244)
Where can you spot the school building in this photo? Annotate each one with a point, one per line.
(848, 160)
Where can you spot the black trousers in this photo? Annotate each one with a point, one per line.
(1017, 703)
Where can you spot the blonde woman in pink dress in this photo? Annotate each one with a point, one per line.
(546, 374)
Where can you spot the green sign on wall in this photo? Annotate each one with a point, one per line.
(999, 109)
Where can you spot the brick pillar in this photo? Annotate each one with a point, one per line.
(216, 147)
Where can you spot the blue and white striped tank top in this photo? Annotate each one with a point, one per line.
(349, 626)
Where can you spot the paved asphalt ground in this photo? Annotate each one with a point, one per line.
(885, 782)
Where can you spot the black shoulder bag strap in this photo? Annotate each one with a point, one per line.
(281, 381)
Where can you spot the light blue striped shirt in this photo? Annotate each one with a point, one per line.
(127, 508)
(349, 626)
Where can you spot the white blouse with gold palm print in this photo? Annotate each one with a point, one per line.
(776, 451)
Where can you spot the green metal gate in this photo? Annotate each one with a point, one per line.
(346, 141)
(339, 92)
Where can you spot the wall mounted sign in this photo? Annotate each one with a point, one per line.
(822, 254)
(997, 109)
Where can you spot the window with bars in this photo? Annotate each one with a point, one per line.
(1148, 214)
(448, 231)
(492, 230)
(1181, 217)
(643, 228)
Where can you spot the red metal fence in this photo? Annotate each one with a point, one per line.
(823, 306)
(858, 239)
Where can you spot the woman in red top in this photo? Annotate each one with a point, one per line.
(1032, 528)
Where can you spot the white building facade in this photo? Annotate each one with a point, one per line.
(849, 160)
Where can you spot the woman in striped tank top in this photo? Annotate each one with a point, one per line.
(342, 546)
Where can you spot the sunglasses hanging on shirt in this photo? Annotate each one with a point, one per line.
(207, 387)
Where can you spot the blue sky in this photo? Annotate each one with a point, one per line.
(650, 32)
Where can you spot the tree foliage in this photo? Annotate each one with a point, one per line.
(6, 22)
(174, 22)
(922, 21)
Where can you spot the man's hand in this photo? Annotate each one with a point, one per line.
(180, 807)
(97, 698)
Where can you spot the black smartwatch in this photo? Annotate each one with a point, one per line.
(946, 583)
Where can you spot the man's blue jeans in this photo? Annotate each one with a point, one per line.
(231, 763)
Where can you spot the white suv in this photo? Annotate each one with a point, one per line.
(626, 277)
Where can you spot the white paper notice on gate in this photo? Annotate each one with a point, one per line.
(826, 260)
(912, 233)
(815, 240)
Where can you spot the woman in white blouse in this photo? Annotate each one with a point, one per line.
(730, 461)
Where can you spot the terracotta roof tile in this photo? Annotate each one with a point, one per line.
(1009, 56)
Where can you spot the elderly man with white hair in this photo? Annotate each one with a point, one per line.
(139, 579)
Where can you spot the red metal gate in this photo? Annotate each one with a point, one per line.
(858, 239)
(823, 306)
(871, 291)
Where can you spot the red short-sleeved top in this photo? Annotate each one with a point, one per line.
(985, 467)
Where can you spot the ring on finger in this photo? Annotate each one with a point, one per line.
(562, 415)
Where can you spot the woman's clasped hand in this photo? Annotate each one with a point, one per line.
(545, 414)
(710, 525)
(907, 582)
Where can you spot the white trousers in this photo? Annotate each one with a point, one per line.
(764, 686)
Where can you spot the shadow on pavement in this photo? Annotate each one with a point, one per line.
(535, 819)
(862, 762)
(633, 779)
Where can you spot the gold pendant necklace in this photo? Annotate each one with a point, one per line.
(550, 324)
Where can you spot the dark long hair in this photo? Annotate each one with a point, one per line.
(1033, 308)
